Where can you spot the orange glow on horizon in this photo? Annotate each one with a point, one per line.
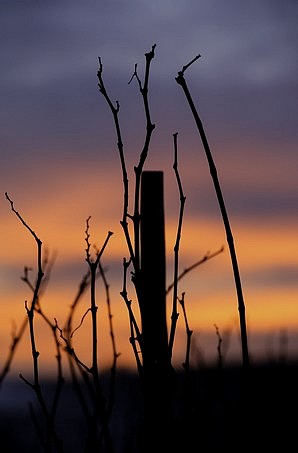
(59, 219)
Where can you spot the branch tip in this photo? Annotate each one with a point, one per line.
(190, 63)
(180, 76)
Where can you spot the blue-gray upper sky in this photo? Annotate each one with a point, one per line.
(246, 81)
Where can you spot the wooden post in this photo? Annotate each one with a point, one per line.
(158, 374)
(157, 432)
(153, 270)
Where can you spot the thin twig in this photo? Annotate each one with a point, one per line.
(205, 258)
(16, 337)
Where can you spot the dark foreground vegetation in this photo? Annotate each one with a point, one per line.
(218, 417)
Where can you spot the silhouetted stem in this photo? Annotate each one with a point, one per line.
(189, 332)
(175, 314)
(100, 401)
(134, 250)
(241, 306)
(135, 334)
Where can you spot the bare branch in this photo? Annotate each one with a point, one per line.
(115, 112)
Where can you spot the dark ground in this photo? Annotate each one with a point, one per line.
(221, 415)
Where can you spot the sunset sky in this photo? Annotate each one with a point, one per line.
(59, 161)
